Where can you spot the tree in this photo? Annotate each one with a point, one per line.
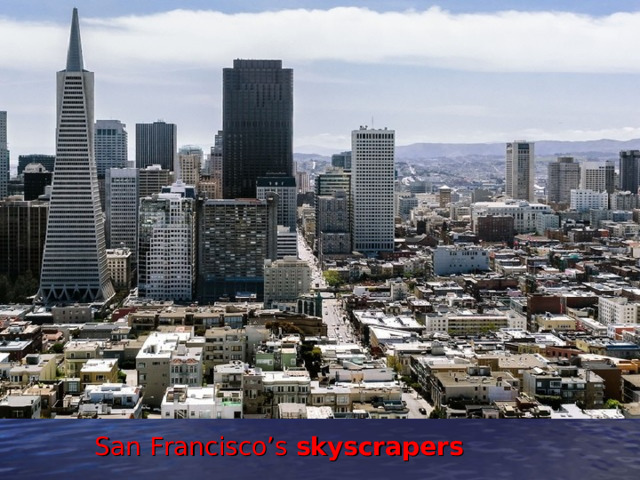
(333, 278)
(438, 413)
(57, 348)
(611, 403)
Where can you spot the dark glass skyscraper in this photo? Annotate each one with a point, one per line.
(156, 144)
(257, 124)
(630, 170)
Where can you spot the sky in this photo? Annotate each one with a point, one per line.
(448, 71)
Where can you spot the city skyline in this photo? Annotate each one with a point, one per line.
(458, 72)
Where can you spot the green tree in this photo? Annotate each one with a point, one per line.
(57, 348)
(24, 287)
(611, 403)
(332, 278)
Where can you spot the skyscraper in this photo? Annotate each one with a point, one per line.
(166, 255)
(630, 170)
(156, 144)
(596, 177)
(372, 186)
(520, 171)
(4, 157)
(236, 236)
(74, 266)
(257, 124)
(111, 146)
(121, 209)
(563, 175)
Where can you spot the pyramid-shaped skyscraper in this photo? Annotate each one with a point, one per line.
(74, 265)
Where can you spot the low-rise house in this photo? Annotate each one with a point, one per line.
(187, 402)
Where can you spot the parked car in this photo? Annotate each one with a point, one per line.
(422, 410)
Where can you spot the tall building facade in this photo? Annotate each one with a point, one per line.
(190, 164)
(121, 209)
(23, 228)
(151, 179)
(563, 175)
(333, 225)
(597, 177)
(4, 157)
(157, 144)
(236, 237)
(520, 171)
(167, 249)
(111, 146)
(630, 170)
(341, 160)
(285, 188)
(74, 265)
(327, 184)
(257, 124)
(36, 179)
(372, 187)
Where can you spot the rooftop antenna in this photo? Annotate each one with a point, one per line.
(372, 123)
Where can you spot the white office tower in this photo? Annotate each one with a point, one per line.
(121, 209)
(74, 264)
(166, 252)
(111, 146)
(520, 171)
(372, 186)
(4, 157)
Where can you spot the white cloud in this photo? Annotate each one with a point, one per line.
(503, 41)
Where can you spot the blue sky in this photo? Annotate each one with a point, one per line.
(453, 71)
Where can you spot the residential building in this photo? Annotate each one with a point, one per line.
(285, 188)
(119, 262)
(34, 368)
(257, 124)
(224, 345)
(448, 260)
(287, 242)
(617, 310)
(74, 265)
(191, 402)
(154, 363)
(333, 224)
(585, 200)
(23, 229)
(372, 188)
(285, 280)
(21, 406)
(157, 144)
(111, 146)
(563, 175)
(111, 400)
(520, 171)
(524, 213)
(166, 246)
(236, 236)
(77, 353)
(121, 209)
(99, 370)
(569, 383)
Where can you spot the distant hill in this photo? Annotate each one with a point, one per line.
(421, 151)
(594, 148)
